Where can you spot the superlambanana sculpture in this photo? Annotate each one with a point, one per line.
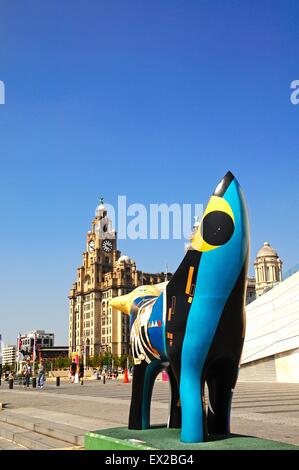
(195, 328)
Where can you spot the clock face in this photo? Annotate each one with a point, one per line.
(107, 246)
(91, 246)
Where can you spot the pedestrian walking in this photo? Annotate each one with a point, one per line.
(41, 374)
(27, 374)
(81, 372)
(11, 379)
(73, 370)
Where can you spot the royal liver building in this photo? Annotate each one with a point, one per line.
(104, 274)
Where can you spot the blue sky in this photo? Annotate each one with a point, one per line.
(152, 100)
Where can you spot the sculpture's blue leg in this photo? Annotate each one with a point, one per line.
(135, 417)
(175, 417)
(221, 379)
(192, 403)
(152, 370)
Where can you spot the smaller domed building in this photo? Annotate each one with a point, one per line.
(268, 269)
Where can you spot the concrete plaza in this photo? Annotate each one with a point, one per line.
(58, 417)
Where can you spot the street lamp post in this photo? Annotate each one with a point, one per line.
(84, 353)
(34, 355)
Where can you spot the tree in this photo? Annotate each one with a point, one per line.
(61, 362)
(7, 367)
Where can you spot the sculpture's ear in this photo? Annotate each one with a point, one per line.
(216, 227)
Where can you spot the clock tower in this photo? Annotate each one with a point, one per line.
(101, 243)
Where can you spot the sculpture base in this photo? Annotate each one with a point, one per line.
(161, 438)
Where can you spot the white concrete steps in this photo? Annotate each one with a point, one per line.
(30, 440)
(35, 433)
(69, 434)
(6, 444)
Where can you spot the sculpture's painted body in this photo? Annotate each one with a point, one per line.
(195, 328)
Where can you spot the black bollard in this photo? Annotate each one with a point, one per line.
(104, 379)
(10, 383)
(57, 381)
(34, 382)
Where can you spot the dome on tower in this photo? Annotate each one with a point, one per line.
(125, 259)
(267, 250)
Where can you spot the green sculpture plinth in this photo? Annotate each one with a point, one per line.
(161, 438)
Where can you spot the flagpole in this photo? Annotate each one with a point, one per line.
(84, 355)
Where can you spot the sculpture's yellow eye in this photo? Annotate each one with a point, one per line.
(217, 226)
